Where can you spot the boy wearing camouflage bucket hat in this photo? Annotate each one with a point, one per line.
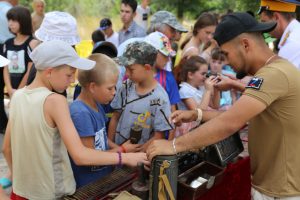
(141, 105)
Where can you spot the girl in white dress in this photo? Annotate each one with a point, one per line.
(196, 90)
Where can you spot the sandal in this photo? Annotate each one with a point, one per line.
(5, 182)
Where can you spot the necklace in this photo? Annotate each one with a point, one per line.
(269, 59)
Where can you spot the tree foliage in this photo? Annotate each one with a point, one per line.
(189, 9)
(193, 8)
(79, 7)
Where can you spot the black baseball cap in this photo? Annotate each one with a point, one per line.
(105, 23)
(237, 23)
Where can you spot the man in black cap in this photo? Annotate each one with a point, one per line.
(270, 102)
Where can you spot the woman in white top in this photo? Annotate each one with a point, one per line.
(202, 34)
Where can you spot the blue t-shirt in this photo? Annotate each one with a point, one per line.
(168, 82)
(90, 123)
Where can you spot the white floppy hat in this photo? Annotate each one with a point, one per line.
(3, 61)
(56, 53)
(58, 26)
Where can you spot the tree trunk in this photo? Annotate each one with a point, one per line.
(180, 9)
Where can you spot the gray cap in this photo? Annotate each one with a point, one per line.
(166, 17)
(139, 52)
(56, 53)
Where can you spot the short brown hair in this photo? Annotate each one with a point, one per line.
(104, 69)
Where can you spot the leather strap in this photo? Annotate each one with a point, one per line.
(164, 186)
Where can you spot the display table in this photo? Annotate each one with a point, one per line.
(235, 185)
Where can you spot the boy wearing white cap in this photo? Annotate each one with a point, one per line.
(36, 143)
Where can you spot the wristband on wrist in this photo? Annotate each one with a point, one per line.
(123, 149)
(120, 158)
(174, 147)
(200, 114)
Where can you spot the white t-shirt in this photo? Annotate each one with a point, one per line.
(168, 66)
(187, 91)
(114, 38)
(289, 45)
(142, 15)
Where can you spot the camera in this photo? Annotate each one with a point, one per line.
(209, 74)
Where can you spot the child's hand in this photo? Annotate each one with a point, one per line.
(132, 159)
(180, 116)
(210, 82)
(132, 147)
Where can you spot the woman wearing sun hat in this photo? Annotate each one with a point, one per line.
(56, 26)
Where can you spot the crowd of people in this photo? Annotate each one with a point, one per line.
(132, 102)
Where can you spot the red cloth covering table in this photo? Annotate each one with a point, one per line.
(235, 185)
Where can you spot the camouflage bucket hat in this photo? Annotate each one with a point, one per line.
(166, 17)
(137, 53)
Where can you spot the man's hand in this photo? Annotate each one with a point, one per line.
(160, 147)
(226, 83)
(180, 116)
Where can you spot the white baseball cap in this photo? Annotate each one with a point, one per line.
(161, 42)
(3, 61)
(56, 53)
(58, 26)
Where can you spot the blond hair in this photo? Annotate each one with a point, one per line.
(104, 69)
(38, 1)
